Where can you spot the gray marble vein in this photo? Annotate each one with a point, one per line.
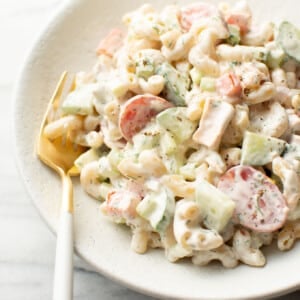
(27, 247)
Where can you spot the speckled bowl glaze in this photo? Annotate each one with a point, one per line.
(68, 43)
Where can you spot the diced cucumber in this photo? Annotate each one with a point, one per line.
(289, 39)
(79, 101)
(174, 162)
(158, 208)
(234, 35)
(208, 84)
(86, 157)
(216, 207)
(147, 138)
(176, 85)
(258, 149)
(175, 120)
(275, 58)
(167, 143)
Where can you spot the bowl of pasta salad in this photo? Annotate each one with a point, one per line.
(190, 117)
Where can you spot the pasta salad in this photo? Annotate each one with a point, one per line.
(191, 123)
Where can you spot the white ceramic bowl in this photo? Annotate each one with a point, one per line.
(68, 43)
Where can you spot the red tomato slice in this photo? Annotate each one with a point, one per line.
(194, 12)
(229, 85)
(111, 43)
(260, 205)
(138, 111)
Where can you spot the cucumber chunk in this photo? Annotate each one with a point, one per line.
(80, 101)
(147, 138)
(176, 85)
(289, 39)
(158, 208)
(275, 58)
(175, 120)
(173, 162)
(168, 143)
(259, 149)
(216, 207)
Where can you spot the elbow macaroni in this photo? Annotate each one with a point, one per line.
(146, 163)
(187, 231)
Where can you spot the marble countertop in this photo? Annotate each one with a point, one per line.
(27, 247)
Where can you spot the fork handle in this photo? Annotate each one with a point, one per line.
(63, 272)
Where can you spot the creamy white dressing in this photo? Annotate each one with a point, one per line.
(151, 156)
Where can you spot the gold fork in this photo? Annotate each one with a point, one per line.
(60, 154)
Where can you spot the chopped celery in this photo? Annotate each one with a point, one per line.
(177, 84)
(208, 84)
(258, 149)
(158, 208)
(217, 208)
(175, 120)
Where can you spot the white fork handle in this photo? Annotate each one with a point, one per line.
(63, 273)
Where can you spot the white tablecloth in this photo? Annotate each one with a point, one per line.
(27, 247)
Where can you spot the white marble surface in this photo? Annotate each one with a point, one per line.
(27, 246)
